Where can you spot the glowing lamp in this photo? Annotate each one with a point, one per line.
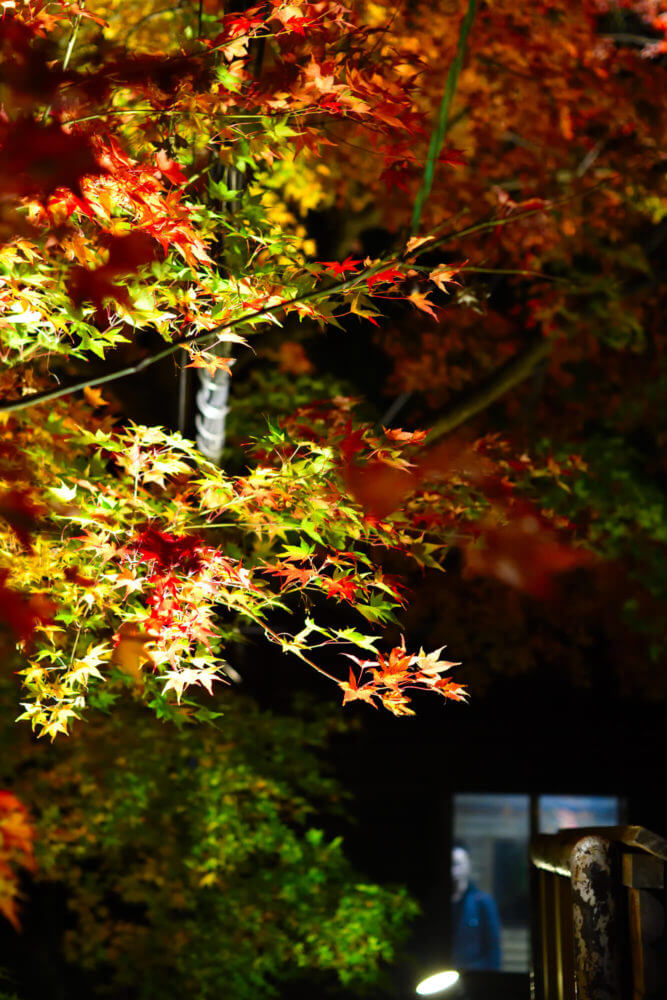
(435, 984)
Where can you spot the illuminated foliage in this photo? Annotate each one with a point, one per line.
(157, 168)
(155, 185)
(189, 859)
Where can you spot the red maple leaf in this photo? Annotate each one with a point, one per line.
(396, 176)
(405, 437)
(390, 274)
(169, 551)
(169, 168)
(395, 668)
(423, 303)
(349, 264)
(344, 588)
(453, 157)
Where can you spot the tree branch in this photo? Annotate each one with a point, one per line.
(356, 281)
(491, 388)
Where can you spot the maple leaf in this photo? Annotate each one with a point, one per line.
(178, 680)
(431, 665)
(344, 588)
(417, 241)
(388, 275)
(352, 691)
(94, 396)
(348, 265)
(211, 362)
(396, 177)
(169, 168)
(443, 274)
(130, 653)
(291, 574)
(423, 303)
(126, 578)
(405, 437)
(395, 668)
(357, 308)
(241, 24)
(453, 157)
(396, 702)
(169, 551)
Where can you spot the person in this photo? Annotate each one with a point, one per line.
(475, 920)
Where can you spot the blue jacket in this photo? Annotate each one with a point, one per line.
(475, 931)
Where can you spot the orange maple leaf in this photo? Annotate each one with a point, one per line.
(405, 437)
(443, 275)
(352, 691)
(211, 363)
(422, 302)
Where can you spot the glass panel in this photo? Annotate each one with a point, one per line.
(490, 903)
(566, 812)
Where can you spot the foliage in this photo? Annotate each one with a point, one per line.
(189, 859)
(16, 852)
(157, 171)
(151, 190)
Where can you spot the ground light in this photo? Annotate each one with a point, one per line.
(435, 984)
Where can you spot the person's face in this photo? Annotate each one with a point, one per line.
(460, 872)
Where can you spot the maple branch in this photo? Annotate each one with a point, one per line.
(491, 388)
(49, 394)
(356, 281)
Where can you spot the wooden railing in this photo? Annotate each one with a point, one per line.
(599, 914)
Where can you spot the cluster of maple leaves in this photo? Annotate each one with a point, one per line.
(164, 191)
(560, 125)
(106, 231)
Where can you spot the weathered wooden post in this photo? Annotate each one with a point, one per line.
(598, 914)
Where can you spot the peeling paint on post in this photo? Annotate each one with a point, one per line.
(595, 920)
